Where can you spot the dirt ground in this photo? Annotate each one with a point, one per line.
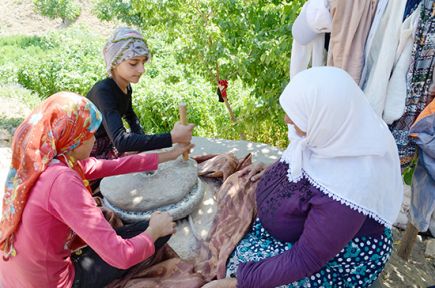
(17, 17)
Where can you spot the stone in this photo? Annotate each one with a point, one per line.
(402, 218)
(201, 219)
(193, 230)
(430, 248)
(5, 135)
(260, 152)
(432, 224)
(148, 190)
(173, 188)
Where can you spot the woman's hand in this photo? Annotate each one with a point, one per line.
(222, 283)
(254, 171)
(182, 133)
(161, 224)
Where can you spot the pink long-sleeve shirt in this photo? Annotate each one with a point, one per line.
(59, 203)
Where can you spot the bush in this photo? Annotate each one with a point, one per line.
(67, 10)
(115, 9)
(166, 83)
(73, 64)
(16, 51)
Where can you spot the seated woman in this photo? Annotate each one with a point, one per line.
(48, 209)
(125, 54)
(325, 209)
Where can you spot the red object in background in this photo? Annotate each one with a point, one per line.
(222, 89)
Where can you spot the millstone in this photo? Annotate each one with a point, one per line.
(174, 188)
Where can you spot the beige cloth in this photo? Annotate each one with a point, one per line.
(236, 211)
(351, 22)
(165, 269)
(221, 166)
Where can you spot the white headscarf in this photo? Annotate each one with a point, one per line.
(348, 151)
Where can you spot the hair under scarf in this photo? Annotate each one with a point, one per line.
(60, 124)
(348, 151)
(124, 44)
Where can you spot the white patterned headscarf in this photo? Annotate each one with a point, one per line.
(124, 44)
(348, 151)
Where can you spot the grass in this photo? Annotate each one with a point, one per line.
(23, 97)
(15, 104)
(16, 51)
(21, 47)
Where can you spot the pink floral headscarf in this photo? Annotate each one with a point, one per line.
(60, 124)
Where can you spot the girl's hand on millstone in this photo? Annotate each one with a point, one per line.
(161, 224)
(176, 151)
(181, 148)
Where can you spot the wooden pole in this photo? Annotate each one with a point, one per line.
(183, 120)
(232, 117)
(227, 104)
(407, 242)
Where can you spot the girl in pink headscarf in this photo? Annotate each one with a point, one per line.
(48, 210)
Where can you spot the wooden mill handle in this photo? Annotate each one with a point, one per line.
(183, 120)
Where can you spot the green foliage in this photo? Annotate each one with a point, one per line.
(167, 83)
(243, 41)
(247, 40)
(16, 51)
(408, 172)
(115, 9)
(180, 70)
(9, 123)
(74, 64)
(63, 9)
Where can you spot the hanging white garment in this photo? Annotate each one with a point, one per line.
(308, 32)
(302, 55)
(348, 151)
(380, 58)
(380, 9)
(396, 91)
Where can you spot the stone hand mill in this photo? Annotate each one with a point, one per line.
(173, 188)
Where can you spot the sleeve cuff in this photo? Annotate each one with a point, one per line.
(167, 139)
